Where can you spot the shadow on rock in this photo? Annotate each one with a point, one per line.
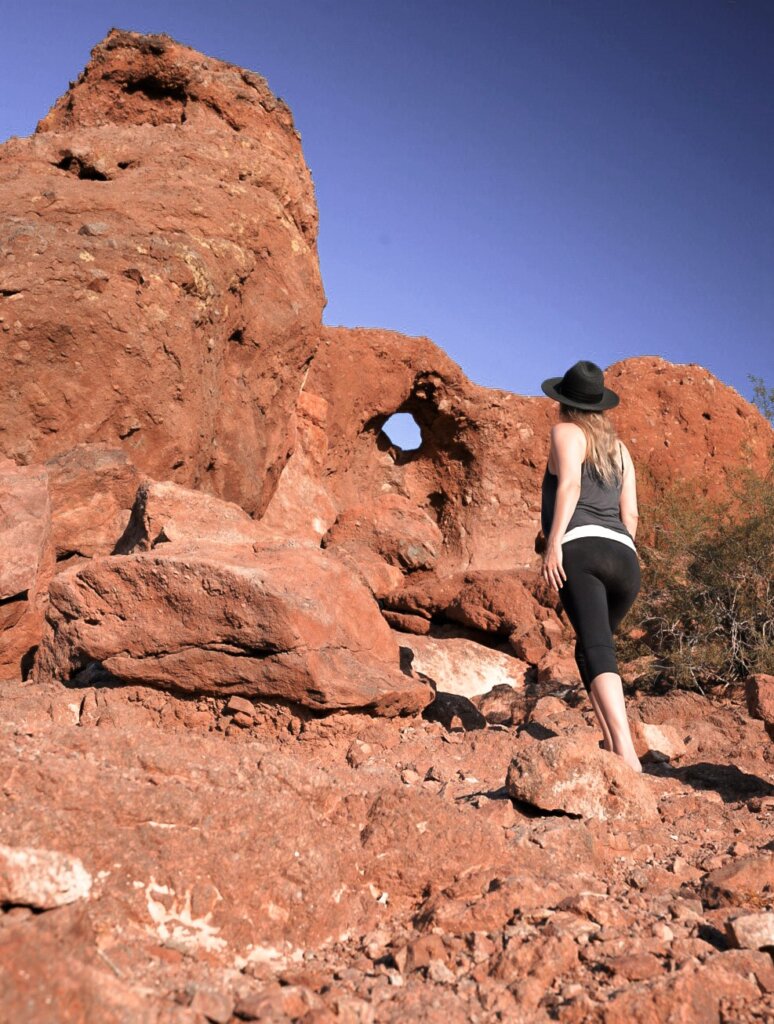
(726, 779)
(448, 706)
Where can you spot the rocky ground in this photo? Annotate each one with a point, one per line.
(254, 863)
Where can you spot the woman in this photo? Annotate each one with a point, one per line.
(589, 519)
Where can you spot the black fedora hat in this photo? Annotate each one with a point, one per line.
(583, 387)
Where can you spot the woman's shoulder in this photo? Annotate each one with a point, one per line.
(567, 440)
(564, 428)
(568, 434)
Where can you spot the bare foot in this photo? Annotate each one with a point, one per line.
(633, 761)
(630, 757)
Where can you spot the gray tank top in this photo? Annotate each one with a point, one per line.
(598, 504)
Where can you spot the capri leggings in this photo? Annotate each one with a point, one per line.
(603, 579)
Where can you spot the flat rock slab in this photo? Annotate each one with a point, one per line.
(463, 667)
(565, 774)
(220, 622)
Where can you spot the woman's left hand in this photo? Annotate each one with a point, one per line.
(553, 570)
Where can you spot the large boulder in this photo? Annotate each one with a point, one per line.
(228, 621)
(160, 289)
(463, 667)
(26, 562)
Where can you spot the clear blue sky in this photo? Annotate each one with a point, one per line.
(526, 182)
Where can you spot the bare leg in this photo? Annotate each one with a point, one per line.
(608, 689)
(607, 741)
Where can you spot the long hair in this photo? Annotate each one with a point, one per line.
(601, 448)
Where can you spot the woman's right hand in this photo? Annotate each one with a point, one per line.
(553, 570)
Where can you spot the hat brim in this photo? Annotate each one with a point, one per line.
(608, 401)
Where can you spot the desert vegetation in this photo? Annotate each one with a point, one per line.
(705, 615)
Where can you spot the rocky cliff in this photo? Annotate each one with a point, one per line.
(160, 284)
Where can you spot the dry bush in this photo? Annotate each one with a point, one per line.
(705, 612)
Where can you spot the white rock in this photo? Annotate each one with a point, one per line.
(752, 931)
(41, 878)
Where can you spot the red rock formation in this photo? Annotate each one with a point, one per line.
(252, 851)
(92, 491)
(26, 563)
(159, 287)
(204, 624)
(483, 452)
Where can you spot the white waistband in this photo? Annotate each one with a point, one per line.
(592, 530)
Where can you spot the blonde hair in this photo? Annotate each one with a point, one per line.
(601, 449)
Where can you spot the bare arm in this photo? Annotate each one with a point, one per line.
(628, 503)
(568, 447)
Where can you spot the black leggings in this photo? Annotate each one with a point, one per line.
(603, 579)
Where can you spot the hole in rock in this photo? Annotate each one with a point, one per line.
(403, 431)
(74, 165)
(63, 556)
(157, 90)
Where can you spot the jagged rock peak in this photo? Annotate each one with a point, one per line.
(134, 78)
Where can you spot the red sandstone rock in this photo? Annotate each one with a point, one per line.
(751, 931)
(692, 994)
(746, 882)
(26, 562)
(489, 601)
(759, 691)
(37, 973)
(562, 774)
(160, 282)
(663, 740)
(483, 451)
(381, 578)
(228, 622)
(558, 668)
(168, 514)
(392, 527)
(301, 505)
(92, 490)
